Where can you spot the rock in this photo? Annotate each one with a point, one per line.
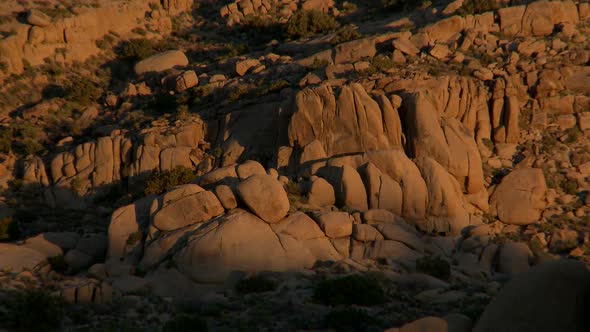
(520, 198)
(161, 62)
(188, 210)
(405, 46)
(242, 67)
(238, 241)
(17, 258)
(446, 204)
(400, 234)
(335, 224)
(549, 297)
(428, 324)
(484, 74)
(131, 285)
(382, 191)
(348, 186)
(78, 260)
(355, 50)
(514, 258)
(458, 323)
(64, 240)
(38, 18)
(186, 80)
(366, 233)
(563, 240)
(249, 168)
(321, 193)
(299, 226)
(125, 229)
(226, 196)
(41, 244)
(440, 51)
(265, 196)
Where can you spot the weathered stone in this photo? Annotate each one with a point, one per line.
(520, 198)
(161, 62)
(265, 196)
(547, 298)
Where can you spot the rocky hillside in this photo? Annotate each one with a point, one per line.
(294, 165)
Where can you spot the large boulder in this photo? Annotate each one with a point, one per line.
(239, 241)
(520, 198)
(188, 210)
(348, 186)
(553, 296)
(265, 196)
(161, 62)
(17, 258)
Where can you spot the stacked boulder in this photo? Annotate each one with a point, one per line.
(239, 10)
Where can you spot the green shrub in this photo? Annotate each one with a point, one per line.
(473, 7)
(34, 310)
(436, 267)
(351, 319)
(6, 139)
(58, 263)
(255, 284)
(164, 102)
(9, 229)
(160, 181)
(346, 33)
(136, 49)
(353, 289)
(186, 323)
(569, 186)
(83, 91)
(307, 23)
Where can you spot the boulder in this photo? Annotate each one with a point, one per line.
(161, 62)
(186, 80)
(348, 186)
(335, 224)
(355, 50)
(519, 199)
(226, 196)
(321, 193)
(514, 258)
(427, 324)
(18, 258)
(238, 241)
(299, 226)
(249, 168)
(549, 297)
(188, 210)
(265, 196)
(242, 67)
(38, 18)
(405, 46)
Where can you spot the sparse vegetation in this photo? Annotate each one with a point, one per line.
(34, 310)
(136, 49)
(359, 289)
(308, 23)
(255, 284)
(158, 182)
(83, 90)
(352, 319)
(9, 229)
(434, 266)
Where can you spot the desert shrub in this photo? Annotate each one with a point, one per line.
(186, 323)
(353, 289)
(351, 319)
(3, 66)
(134, 238)
(569, 186)
(158, 182)
(6, 139)
(83, 91)
(573, 134)
(346, 33)
(255, 284)
(9, 229)
(58, 263)
(136, 49)
(238, 92)
(273, 87)
(164, 102)
(34, 310)
(400, 5)
(436, 267)
(472, 7)
(307, 23)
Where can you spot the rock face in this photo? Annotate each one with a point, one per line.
(521, 306)
(265, 196)
(161, 62)
(17, 258)
(347, 122)
(74, 38)
(520, 198)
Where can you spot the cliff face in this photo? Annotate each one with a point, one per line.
(74, 38)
